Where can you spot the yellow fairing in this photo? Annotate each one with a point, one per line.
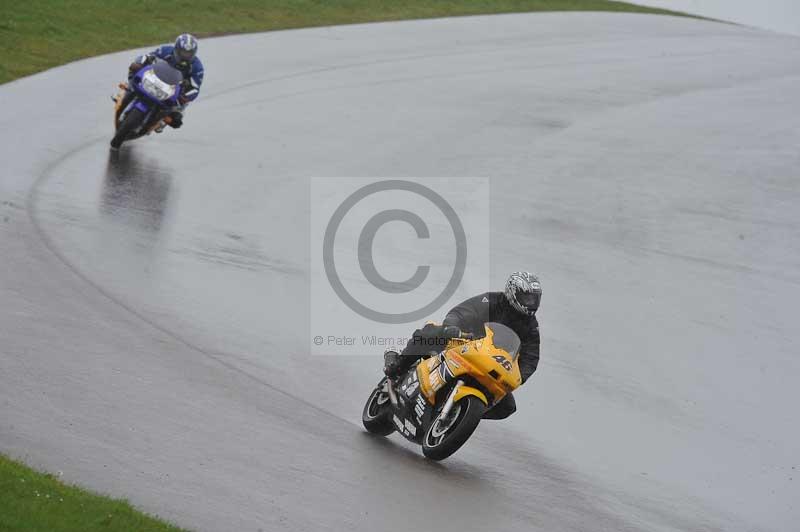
(425, 385)
(118, 103)
(491, 366)
(480, 359)
(469, 390)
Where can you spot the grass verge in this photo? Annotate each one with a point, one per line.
(31, 501)
(39, 34)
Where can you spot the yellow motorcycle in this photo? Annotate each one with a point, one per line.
(440, 401)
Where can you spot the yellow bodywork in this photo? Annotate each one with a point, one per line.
(491, 366)
(465, 390)
(118, 103)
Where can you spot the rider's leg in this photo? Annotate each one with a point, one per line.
(395, 364)
(424, 342)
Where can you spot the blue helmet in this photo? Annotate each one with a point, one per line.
(185, 49)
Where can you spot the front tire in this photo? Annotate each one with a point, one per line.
(446, 436)
(377, 414)
(132, 120)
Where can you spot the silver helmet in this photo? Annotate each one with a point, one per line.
(524, 292)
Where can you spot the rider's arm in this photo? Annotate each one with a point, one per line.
(146, 59)
(429, 338)
(454, 318)
(193, 83)
(529, 351)
(162, 52)
(198, 72)
(139, 62)
(469, 316)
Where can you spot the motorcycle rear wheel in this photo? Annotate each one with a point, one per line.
(377, 414)
(446, 436)
(132, 120)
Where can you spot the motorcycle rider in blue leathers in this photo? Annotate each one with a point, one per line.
(182, 56)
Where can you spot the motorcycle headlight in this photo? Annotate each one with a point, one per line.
(155, 87)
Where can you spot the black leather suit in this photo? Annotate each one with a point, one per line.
(470, 316)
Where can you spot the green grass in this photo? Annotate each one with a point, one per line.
(40, 34)
(36, 502)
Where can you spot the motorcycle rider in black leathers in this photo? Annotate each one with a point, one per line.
(515, 307)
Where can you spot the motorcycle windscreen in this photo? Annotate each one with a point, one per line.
(167, 73)
(504, 338)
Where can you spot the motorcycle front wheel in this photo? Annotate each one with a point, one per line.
(447, 434)
(132, 120)
(377, 414)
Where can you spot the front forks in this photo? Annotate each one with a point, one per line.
(390, 390)
(448, 405)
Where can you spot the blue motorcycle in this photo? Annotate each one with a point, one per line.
(146, 103)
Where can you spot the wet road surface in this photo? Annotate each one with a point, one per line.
(155, 325)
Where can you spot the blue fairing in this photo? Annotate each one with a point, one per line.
(144, 101)
(137, 86)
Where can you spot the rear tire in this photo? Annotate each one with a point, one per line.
(377, 414)
(132, 120)
(438, 444)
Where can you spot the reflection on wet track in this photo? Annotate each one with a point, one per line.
(135, 192)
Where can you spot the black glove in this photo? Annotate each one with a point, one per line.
(139, 63)
(176, 119)
(391, 364)
(134, 68)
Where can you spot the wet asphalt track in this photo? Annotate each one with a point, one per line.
(645, 166)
